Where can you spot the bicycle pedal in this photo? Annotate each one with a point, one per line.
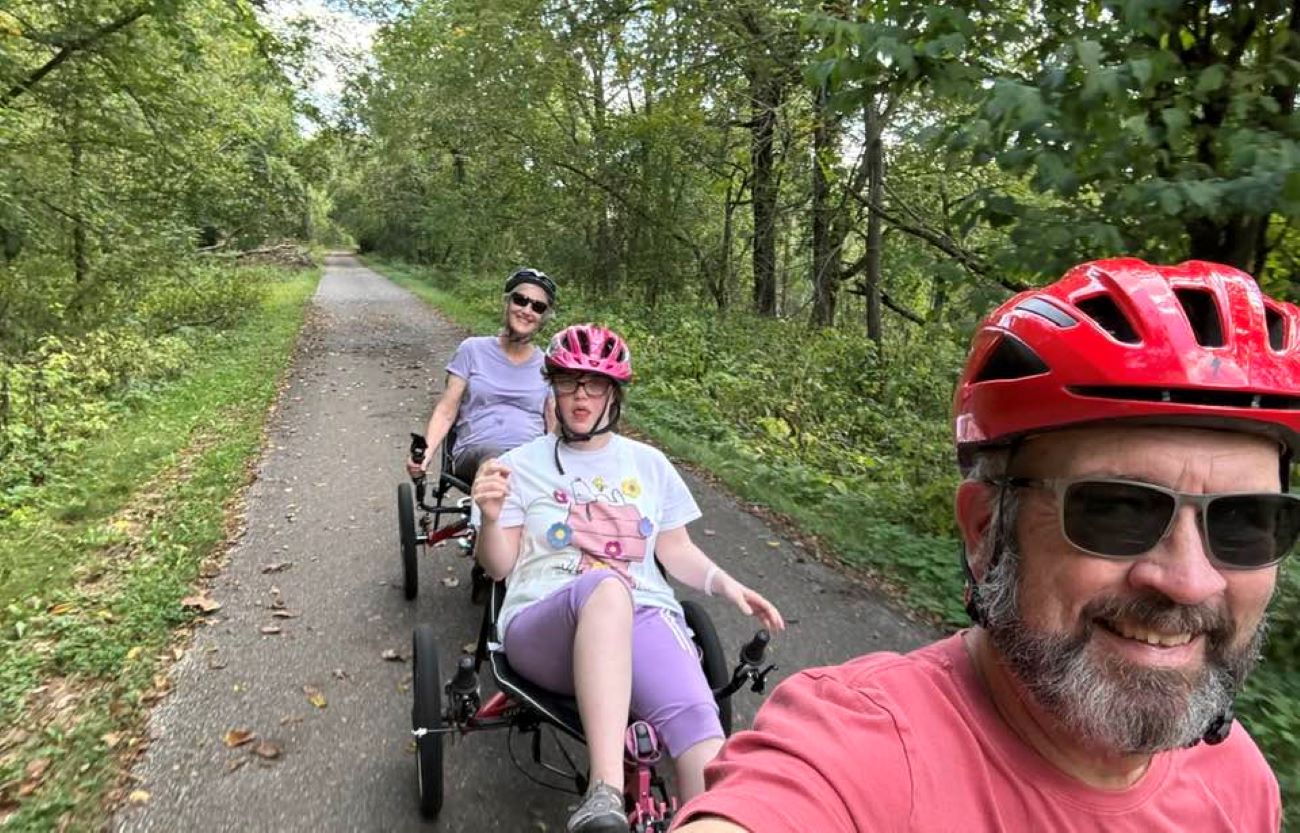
(642, 743)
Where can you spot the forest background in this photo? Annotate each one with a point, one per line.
(797, 211)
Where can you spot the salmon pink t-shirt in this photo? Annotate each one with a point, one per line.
(912, 743)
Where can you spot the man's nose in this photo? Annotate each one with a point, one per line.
(1180, 567)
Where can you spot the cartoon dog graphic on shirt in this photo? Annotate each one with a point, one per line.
(607, 529)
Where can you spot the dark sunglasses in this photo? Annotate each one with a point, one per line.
(593, 385)
(1124, 519)
(519, 299)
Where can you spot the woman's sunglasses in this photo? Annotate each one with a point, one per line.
(519, 299)
(1124, 519)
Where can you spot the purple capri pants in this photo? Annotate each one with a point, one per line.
(668, 686)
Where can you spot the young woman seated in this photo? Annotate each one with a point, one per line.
(581, 522)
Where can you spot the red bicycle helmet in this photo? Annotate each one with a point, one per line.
(590, 348)
(1121, 339)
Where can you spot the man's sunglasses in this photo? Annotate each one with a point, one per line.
(519, 299)
(1124, 519)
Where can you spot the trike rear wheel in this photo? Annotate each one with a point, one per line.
(406, 534)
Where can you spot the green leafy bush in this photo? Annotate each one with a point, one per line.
(66, 388)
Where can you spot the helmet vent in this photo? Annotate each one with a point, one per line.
(1192, 396)
(1103, 310)
(1276, 328)
(1047, 310)
(1011, 359)
(1203, 314)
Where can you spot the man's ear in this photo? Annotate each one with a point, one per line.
(975, 503)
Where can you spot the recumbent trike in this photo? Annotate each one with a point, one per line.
(438, 522)
(523, 708)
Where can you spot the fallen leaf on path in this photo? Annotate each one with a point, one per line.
(392, 655)
(138, 796)
(340, 674)
(216, 664)
(178, 654)
(134, 652)
(270, 630)
(235, 764)
(61, 608)
(710, 532)
(266, 750)
(451, 581)
(314, 696)
(291, 718)
(277, 567)
(469, 648)
(774, 544)
(111, 739)
(285, 614)
(35, 771)
(201, 603)
(237, 737)
(411, 747)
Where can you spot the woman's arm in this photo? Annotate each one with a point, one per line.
(443, 416)
(688, 564)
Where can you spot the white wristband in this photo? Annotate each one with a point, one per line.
(709, 577)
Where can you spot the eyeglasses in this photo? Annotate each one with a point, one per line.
(1124, 519)
(593, 385)
(519, 299)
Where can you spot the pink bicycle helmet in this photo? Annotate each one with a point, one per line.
(590, 348)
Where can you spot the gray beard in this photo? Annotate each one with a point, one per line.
(1107, 702)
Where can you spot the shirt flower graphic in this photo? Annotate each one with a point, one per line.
(613, 549)
(560, 496)
(632, 487)
(559, 535)
(645, 527)
(598, 484)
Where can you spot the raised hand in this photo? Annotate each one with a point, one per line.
(491, 485)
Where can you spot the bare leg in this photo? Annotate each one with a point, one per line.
(690, 767)
(602, 677)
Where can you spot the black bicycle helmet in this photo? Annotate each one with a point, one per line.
(534, 276)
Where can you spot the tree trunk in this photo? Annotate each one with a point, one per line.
(825, 249)
(80, 258)
(1236, 241)
(875, 236)
(765, 93)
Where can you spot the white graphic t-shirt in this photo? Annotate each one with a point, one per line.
(604, 513)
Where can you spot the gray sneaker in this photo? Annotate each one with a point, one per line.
(601, 811)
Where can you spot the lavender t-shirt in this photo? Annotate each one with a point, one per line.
(503, 402)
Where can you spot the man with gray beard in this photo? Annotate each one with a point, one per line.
(1125, 437)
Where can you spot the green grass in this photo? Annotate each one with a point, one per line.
(98, 564)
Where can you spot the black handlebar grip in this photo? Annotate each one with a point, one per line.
(753, 651)
(418, 447)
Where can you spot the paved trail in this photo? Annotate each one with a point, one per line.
(368, 368)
